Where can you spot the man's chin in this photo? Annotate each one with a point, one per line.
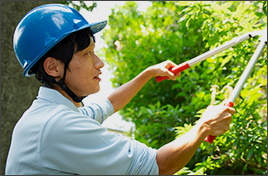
(95, 91)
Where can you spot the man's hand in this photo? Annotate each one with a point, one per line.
(217, 118)
(176, 154)
(162, 69)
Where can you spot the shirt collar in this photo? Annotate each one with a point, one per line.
(53, 96)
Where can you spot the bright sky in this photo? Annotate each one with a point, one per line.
(102, 13)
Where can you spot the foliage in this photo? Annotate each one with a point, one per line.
(80, 5)
(160, 119)
(180, 31)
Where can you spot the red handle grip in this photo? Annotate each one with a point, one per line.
(210, 138)
(174, 70)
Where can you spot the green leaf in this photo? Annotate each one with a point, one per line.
(200, 94)
(200, 112)
(250, 153)
(183, 3)
(226, 60)
(207, 97)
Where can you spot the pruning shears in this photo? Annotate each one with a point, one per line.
(185, 65)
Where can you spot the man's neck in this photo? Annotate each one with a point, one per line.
(77, 104)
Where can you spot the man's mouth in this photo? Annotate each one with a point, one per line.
(97, 77)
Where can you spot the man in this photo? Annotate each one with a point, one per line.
(57, 134)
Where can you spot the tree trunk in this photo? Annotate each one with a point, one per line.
(17, 92)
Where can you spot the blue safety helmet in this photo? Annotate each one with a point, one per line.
(42, 28)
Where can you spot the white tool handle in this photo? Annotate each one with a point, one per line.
(246, 72)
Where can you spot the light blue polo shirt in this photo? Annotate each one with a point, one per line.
(55, 137)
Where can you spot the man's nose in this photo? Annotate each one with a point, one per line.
(98, 62)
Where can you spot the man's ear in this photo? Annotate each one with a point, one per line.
(53, 67)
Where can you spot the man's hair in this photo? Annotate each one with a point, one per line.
(64, 52)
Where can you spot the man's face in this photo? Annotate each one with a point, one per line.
(82, 77)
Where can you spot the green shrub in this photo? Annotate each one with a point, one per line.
(180, 31)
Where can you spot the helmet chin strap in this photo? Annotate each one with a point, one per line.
(64, 87)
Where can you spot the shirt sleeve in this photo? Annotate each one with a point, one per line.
(76, 144)
(98, 111)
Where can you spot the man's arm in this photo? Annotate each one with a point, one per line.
(176, 154)
(122, 95)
